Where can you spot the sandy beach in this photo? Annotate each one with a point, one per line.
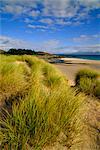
(73, 65)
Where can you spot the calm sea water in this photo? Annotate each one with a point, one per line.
(90, 57)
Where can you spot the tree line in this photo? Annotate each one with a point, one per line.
(14, 51)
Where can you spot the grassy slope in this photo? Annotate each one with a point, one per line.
(39, 105)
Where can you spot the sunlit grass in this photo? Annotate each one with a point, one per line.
(88, 81)
(45, 107)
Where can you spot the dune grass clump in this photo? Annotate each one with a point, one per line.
(88, 81)
(97, 89)
(14, 79)
(47, 108)
(89, 73)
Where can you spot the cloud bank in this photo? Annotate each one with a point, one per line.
(51, 12)
(53, 46)
(8, 42)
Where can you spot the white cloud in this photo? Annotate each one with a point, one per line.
(87, 38)
(37, 26)
(8, 42)
(90, 3)
(42, 27)
(46, 21)
(78, 49)
(59, 9)
(96, 36)
(28, 3)
(27, 20)
(16, 9)
(61, 21)
(52, 45)
(34, 13)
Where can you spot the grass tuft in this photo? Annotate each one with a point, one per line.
(88, 81)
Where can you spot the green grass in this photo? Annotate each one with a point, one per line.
(88, 81)
(42, 105)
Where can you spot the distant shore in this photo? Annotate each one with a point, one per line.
(78, 60)
(72, 65)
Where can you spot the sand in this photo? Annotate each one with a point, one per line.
(73, 65)
(78, 60)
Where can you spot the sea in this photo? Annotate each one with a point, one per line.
(89, 57)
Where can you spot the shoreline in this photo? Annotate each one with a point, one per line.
(79, 60)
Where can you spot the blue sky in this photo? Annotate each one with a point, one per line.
(56, 26)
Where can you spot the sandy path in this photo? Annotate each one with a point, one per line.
(71, 69)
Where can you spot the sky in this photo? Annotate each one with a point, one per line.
(56, 26)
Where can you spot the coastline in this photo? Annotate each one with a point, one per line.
(79, 60)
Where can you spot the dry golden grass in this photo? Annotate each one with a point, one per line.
(42, 105)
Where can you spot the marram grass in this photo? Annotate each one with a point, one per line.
(88, 81)
(42, 105)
